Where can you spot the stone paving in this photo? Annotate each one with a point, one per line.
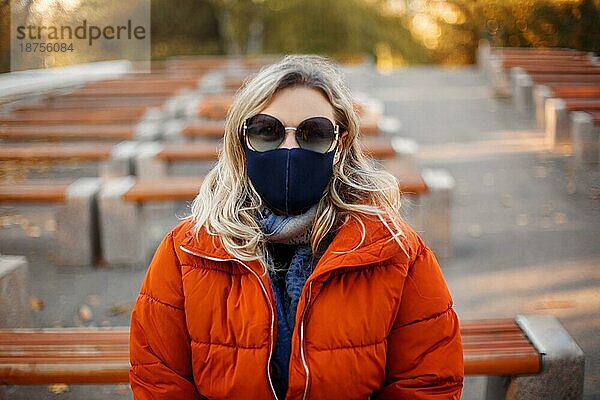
(523, 240)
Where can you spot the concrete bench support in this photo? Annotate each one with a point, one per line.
(522, 89)
(562, 365)
(120, 224)
(586, 143)
(130, 230)
(120, 162)
(77, 221)
(147, 164)
(432, 215)
(557, 122)
(14, 293)
(540, 94)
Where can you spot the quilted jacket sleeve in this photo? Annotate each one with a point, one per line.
(425, 355)
(159, 342)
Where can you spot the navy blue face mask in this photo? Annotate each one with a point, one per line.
(289, 180)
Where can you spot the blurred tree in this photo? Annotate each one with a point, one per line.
(399, 31)
(587, 31)
(184, 27)
(4, 36)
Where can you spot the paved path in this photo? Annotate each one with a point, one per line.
(522, 243)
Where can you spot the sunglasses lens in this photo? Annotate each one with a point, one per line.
(315, 134)
(264, 132)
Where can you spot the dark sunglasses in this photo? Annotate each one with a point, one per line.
(264, 132)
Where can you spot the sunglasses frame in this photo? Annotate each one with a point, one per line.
(336, 131)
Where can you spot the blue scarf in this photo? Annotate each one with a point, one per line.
(292, 262)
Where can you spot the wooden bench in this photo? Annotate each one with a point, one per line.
(103, 132)
(93, 355)
(143, 209)
(76, 219)
(585, 133)
(146, 90)
(69, 116)
(509, 70)
(539, 79)
(575, 90)
(64, 101)
(548, 62)
(76, 107)
(557, 120)
(525, 95)
(523, 354)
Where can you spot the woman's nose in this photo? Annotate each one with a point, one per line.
(289, 142)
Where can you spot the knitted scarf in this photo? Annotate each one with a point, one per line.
(292, 262)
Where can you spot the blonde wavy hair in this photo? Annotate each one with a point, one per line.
(227, 204)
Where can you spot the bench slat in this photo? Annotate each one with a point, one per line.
(42, 192)
(67, 132)
(60, 116)
(55, 152)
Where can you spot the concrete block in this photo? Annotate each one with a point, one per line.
(522, 90)
(147, 130)
(406, 153)
(77, 233)
(563, 365)
(121, 229)
(389, 125)
(190, 168)
(212, 82)
(154, 114)
(586, 143)
(147, 165)
(540, 94)
(181, 105)
(557, 122)
(172, 131)
(483, 56)
(500, 80)
(432, 215)
(120, 162)
(14, 293)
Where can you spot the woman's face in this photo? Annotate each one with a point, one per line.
(293, 105)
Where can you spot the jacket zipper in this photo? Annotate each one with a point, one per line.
(270, 308)
(302, 354)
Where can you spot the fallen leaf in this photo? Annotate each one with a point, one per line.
(119, 309)
(33, 231)
(36, 303)
(85, 312)
(58, 388)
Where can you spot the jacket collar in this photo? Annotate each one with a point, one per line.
(345, 251)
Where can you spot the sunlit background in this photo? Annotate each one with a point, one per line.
(390, 32)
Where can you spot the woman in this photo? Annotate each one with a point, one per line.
(295, 276)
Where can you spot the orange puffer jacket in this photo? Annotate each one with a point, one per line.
(370, 323)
